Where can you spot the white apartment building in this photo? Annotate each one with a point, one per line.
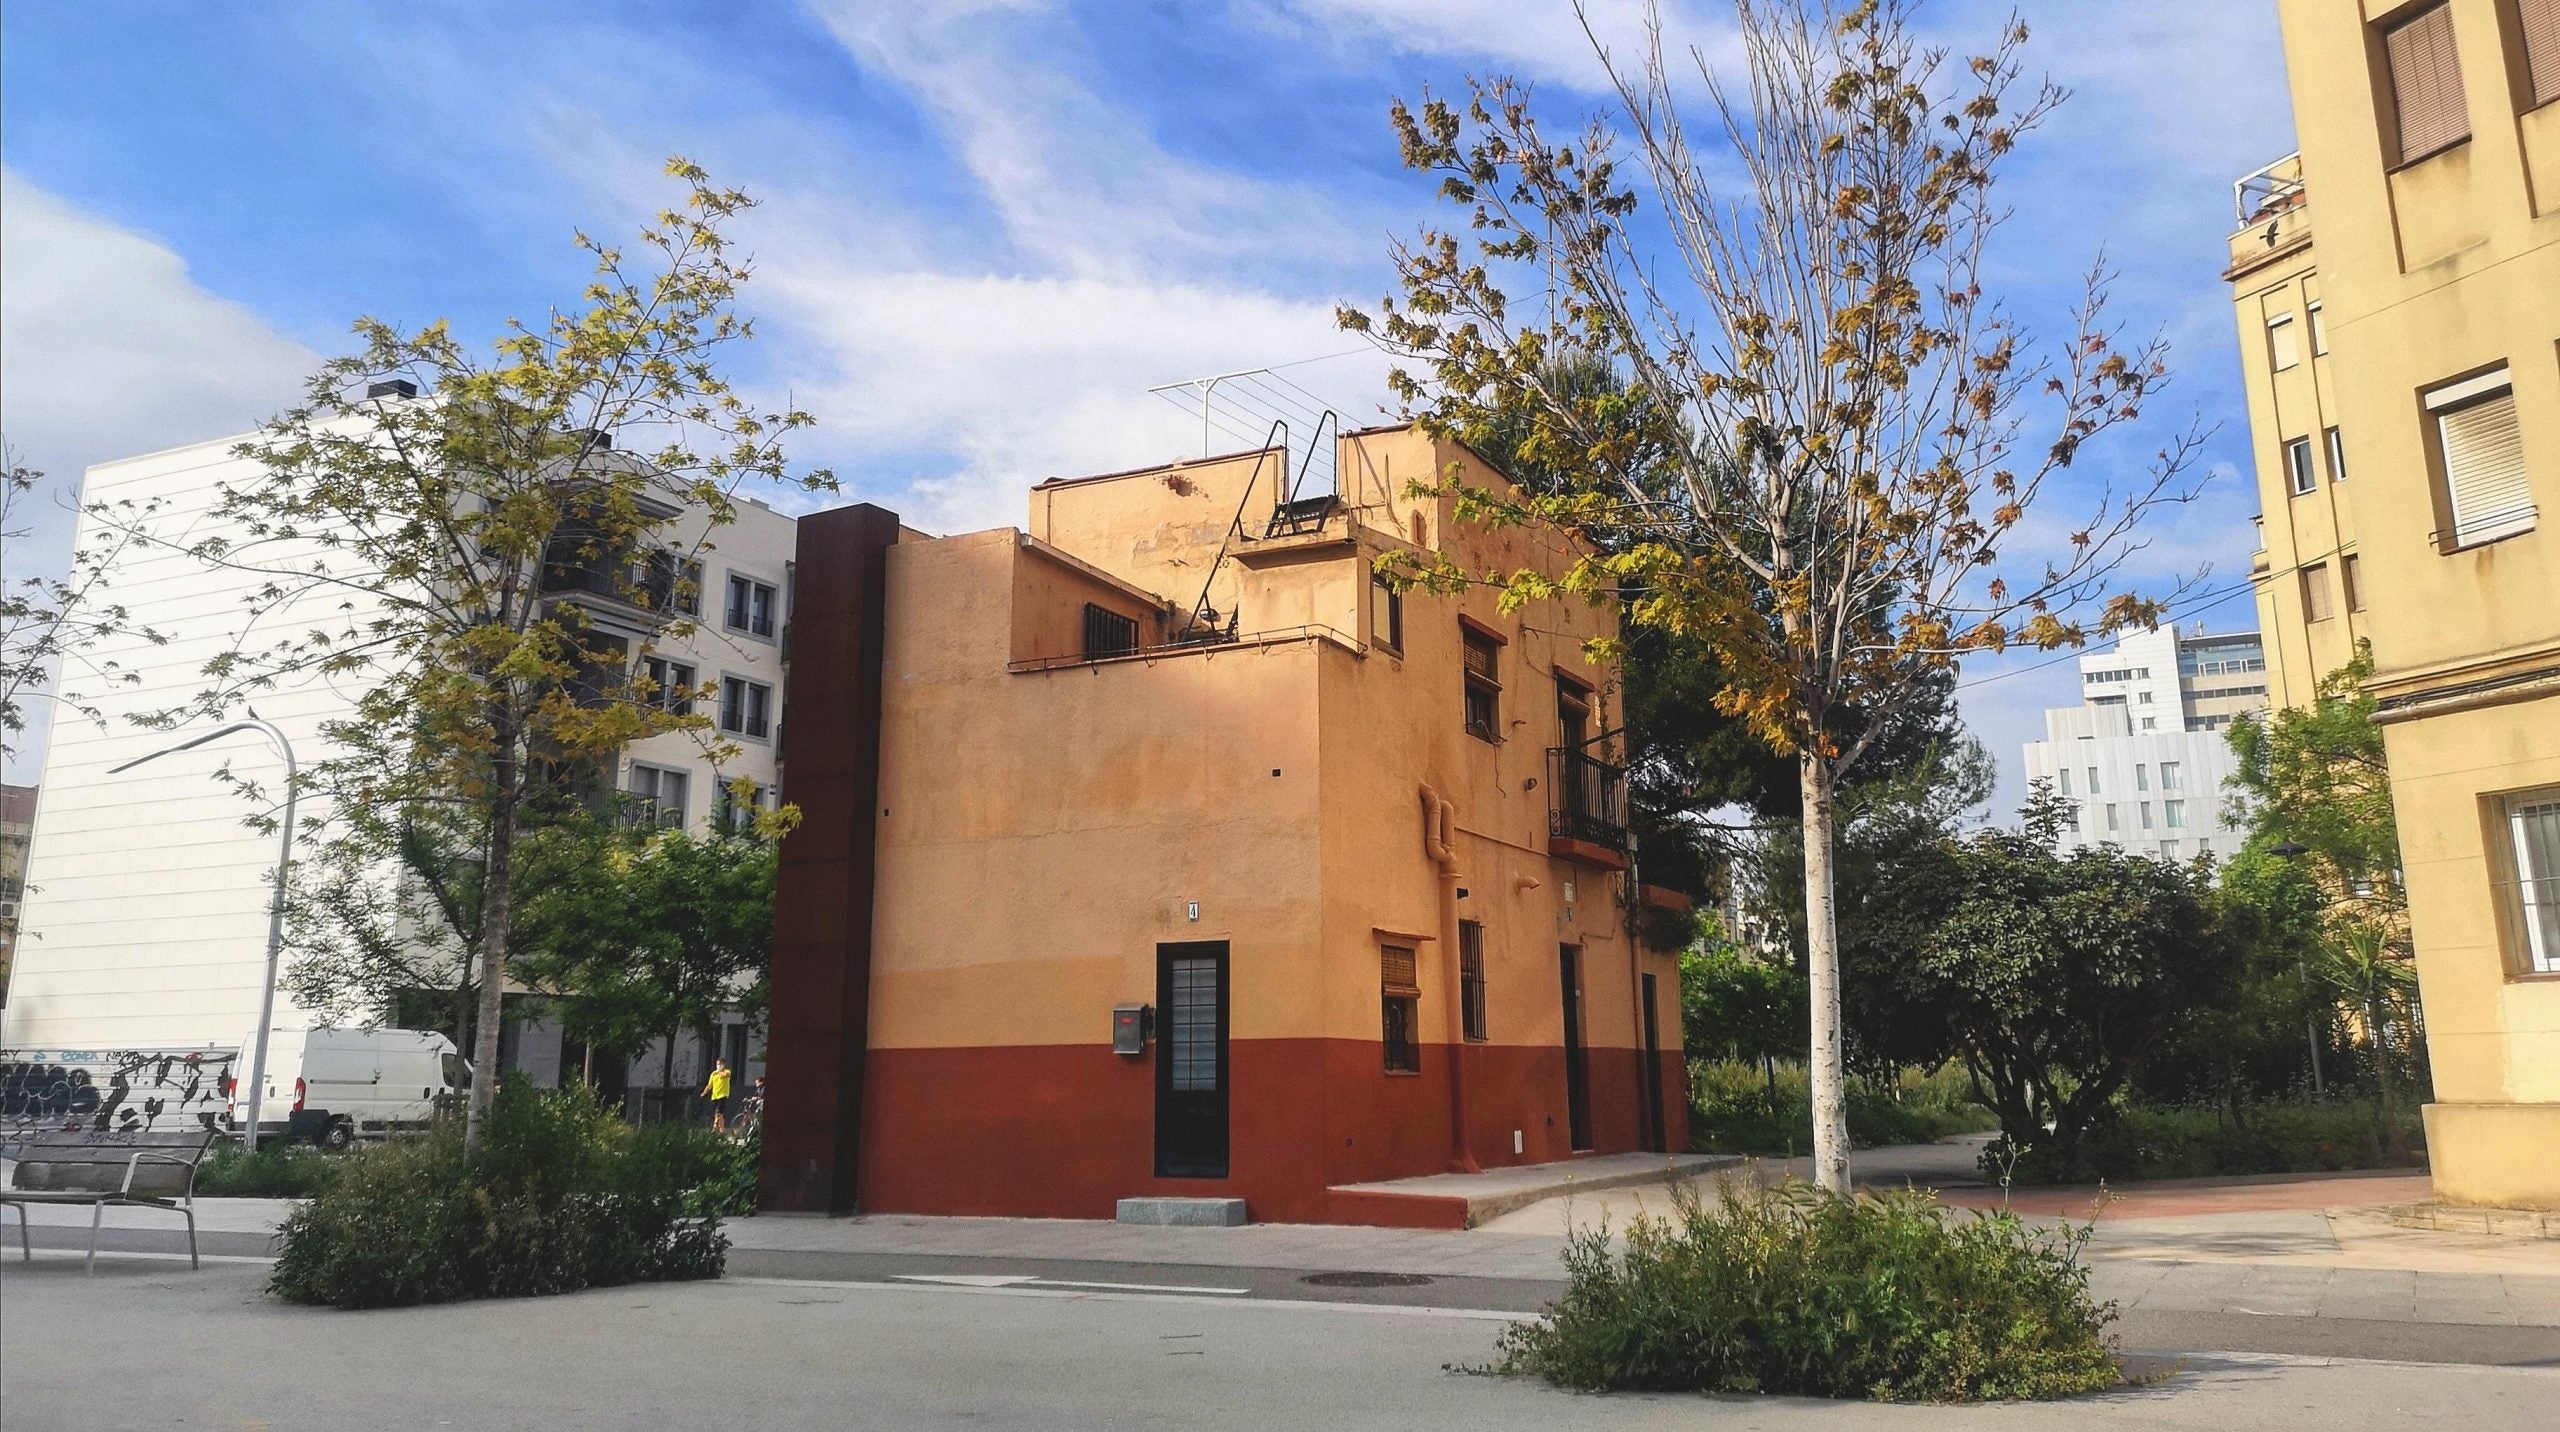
(145, 919)
(2143, 758)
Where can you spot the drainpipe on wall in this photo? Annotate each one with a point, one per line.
(1439, 820)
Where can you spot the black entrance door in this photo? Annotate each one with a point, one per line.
(1577, 1064)
(1653, 1122)
(1191, 1060)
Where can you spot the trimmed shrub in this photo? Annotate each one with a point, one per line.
(1793, 1291)
(559, 1199)
(276, 1170)
(2276, 1136)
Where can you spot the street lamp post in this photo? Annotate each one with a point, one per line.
(275, 909)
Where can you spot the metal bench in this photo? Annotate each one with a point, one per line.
(102, 1168)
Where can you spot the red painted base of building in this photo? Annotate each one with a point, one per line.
(1066, 1131)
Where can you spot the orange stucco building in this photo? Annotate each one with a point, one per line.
(1359, 855)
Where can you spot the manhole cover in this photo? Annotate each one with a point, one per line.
(1365, 1280)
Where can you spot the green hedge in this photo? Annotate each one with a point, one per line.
(563, 1196)
(1732, 1111)
(1797, 1292)
(2275, 1136)
(276, 1170)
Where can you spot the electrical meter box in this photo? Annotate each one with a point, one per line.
(1130, 1026)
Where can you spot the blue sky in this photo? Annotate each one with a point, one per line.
(989, 226)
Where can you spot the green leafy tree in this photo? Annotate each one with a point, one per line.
(2313, 786)
(464, 533)
(1739, 1006)
(2053, 976)
(664, 933)
(1840, 494)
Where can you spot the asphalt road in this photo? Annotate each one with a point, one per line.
(150, 1345)
(2157, 1335)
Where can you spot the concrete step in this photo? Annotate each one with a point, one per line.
(1184, 1212)
(1465, 1200)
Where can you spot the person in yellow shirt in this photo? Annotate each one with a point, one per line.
(716, 1089)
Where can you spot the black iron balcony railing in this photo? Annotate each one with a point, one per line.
(649, 584)
(1586, 798)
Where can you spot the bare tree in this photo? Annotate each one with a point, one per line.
(52, 626)
(1857, 500)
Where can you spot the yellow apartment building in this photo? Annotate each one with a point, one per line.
(1159, 849)
(2397, 286)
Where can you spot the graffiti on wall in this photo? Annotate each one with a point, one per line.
(113, 1090)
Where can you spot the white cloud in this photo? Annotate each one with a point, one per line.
(1530, 39)
(1078, 182)
(111, 349)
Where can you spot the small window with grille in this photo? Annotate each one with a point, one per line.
(1484, 685)
(1400, 1004)
(1471, 978)
(1108, 633)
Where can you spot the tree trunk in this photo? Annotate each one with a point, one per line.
(2382, 1072)
(496, 912)
(1824, 1060)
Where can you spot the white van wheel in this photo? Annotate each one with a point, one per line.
(341, 1134)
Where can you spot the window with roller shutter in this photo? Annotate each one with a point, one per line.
(2426, 84)
(2481, 452)
(2539, 22)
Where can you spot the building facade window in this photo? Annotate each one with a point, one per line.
(2065, 774)
(746, 707)
(2425, 76)
(657, 795)
(2299, 475)
(2351, 581)
(2337, 457)
(2112, 824)
(1471, 979)
(1484, 684)
(1400, 1009)
(2284, 349)
(2540, 20)
(1386, 614)
(671, 684)
(2169, 776)
(2146, 815)
(688, 593)
(1108, 633)
(2316, 606)
(2533, 873)
(2141, 776)
(2174, 814)
(2319, 330)
(732, 813)
(2168, 850)
(2480, 450)
(750, 607)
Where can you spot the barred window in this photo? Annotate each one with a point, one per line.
(2533, 856)
(1471, 978)
(1108, 633)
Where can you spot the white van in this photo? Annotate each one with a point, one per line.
(334, 1086)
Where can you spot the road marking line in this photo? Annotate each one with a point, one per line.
(1029, 1280)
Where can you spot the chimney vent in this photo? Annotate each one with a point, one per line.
(391, 388)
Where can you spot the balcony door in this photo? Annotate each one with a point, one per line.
(1191, 1060)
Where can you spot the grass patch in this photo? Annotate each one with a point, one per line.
(1793, 1291)
(276, 1170)
(2273, 1136)
(563, 1196)
(1733, 1109)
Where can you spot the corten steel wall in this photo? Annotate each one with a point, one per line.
(2432, 271)
(823, 896)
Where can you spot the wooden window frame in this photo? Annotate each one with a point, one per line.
(1400, 1005)
(2314, 578)
(1484, 684)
